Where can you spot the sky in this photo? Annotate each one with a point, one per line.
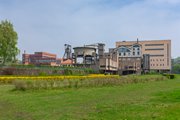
(46, 25)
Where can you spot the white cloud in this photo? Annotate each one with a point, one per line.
(168, 1)
(48, 26)
(165, 2)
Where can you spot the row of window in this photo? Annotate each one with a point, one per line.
(150, 49)
(154, 44)
(128, 54)
(136, 49)
(45, 60)
(124, 59)
(157, 60)
(157, 64)
(157, 55)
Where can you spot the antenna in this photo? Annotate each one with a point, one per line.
(137, 40)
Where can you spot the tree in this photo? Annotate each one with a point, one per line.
(8, 42)
(176, 65)
(176, 68)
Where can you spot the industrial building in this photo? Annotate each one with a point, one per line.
(90, 54)
(120, 60)
(128, 57)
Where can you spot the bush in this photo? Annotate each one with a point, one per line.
(42, 73)
(67, 72)
(20, 85)
(55, 71)
(169, 76)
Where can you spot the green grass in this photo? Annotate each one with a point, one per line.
(159, 100)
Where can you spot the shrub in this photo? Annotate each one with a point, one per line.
(55, 71)
(42, 73)
(67, 72)
(20, 85)
(170, 76)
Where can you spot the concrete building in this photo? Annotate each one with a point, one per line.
(130, 59)
(123, 60)
(109, 62)
(158, 50)
(90, 55)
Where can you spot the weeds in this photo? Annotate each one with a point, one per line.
(82, 82)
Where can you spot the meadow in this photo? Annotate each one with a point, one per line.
(131, 98)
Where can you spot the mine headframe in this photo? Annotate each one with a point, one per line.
(68, 52)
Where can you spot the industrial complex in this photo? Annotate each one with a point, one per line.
(127, 57)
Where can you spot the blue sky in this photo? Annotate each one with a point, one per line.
(46, 25)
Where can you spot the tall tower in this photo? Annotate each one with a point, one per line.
(67, 53)
(101, 50)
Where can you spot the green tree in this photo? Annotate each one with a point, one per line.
(176, 65)
(8, 42)
(176, 68)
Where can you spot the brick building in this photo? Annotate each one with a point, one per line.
(44, 58)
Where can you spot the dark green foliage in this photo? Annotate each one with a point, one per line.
(176, 68)
(176, 65)
(48, 70)
(169, 76)
(55, 72)
(68, 72)
(42, 73)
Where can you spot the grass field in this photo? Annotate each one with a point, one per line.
(159, 100)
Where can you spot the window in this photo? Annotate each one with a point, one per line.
(157, 55)
(154, 44)
(154, 49)
(133, 53)
(119, 54)
(138, 53)
(124, 54)
(137, 48)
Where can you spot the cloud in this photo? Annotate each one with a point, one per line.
(45, 25)
(168, 1)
